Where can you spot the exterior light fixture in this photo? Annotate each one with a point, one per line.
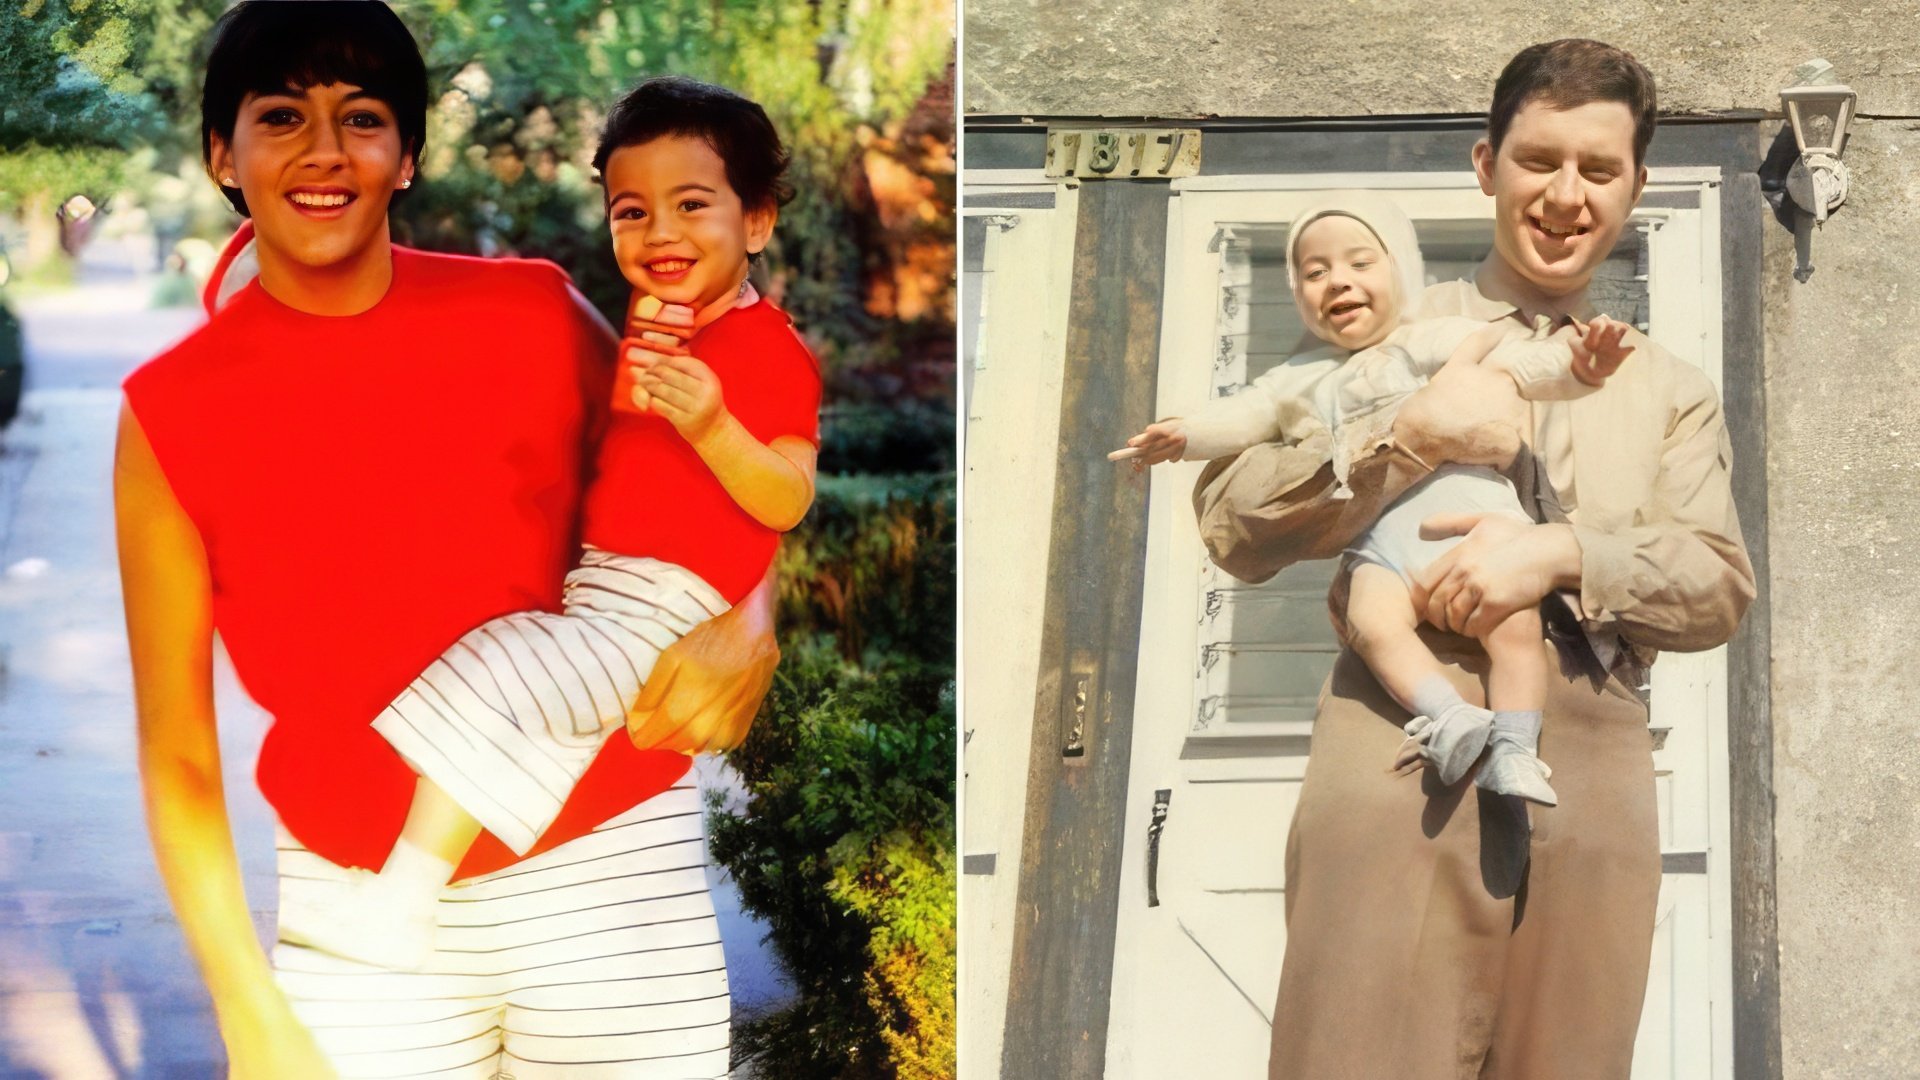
(1820, 110)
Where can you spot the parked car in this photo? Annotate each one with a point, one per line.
(13, 364)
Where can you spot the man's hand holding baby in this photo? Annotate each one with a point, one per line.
(1456, 417)
(1502, 566)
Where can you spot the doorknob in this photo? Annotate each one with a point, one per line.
(1161, 798)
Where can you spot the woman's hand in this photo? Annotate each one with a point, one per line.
(706, 688)
(269, 1043)
(1162, 441)
(1502, 566)
(686, 393)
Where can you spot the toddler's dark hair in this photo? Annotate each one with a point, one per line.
(737, 129)
(273, 46)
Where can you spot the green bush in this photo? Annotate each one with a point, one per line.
(872, 569)
(847, 845)
(912, 437)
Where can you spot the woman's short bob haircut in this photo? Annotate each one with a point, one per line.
(275, 46)
(737, 129)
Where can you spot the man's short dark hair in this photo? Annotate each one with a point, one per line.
(736, 128)
(1569, 73)
(274, 46)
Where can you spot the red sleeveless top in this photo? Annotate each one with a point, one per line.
(371, 487)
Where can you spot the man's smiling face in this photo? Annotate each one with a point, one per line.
(1563, 184)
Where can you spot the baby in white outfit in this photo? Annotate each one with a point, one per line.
(1355, 266)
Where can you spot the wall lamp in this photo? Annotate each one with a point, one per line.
(1819, 111)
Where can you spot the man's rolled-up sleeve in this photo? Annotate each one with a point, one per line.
(1678, 578)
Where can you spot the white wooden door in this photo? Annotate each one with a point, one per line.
(1229, 673)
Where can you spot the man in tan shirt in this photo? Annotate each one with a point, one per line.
(1427, 937)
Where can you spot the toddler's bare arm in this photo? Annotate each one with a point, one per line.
(772, 482)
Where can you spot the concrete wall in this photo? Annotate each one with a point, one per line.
(1386, 57)
(1842, 370)
(1843, 462)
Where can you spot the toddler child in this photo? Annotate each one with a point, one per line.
(1355, 267)
(692, 489)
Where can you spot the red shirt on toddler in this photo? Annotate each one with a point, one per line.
(652, 495)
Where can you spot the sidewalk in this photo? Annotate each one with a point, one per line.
(94, 977)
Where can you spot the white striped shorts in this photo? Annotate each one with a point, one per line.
(598, 960)
(507, 720)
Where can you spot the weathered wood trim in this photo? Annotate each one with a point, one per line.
(1744, 217)
(1061, 980)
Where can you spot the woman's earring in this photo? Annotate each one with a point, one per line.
(228, 181)
(407, 183)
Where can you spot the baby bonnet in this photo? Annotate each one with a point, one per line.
(1390, 225)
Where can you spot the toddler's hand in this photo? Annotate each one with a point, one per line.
(1162, 441)
(685, 392)
(1597, 352)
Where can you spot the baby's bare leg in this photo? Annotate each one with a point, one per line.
(1517, 690)
(1380, 627)
(1518, 679)
(1446, 732)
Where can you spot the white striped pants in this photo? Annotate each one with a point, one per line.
(507, 720)
(597, 960)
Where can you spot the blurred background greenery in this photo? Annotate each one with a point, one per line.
(846, 842)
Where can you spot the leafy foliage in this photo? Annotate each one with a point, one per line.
(911, 437)
(511, 138)
(871, 570)
(847, 844)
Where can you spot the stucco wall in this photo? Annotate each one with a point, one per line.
(1384, 57)
(1843, 404)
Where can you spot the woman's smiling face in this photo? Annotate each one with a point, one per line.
(318, 167)
(1345, 281)
(680, 232)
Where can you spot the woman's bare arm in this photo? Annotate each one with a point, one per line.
(169, 603)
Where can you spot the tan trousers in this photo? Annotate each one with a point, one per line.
(1417, 949)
